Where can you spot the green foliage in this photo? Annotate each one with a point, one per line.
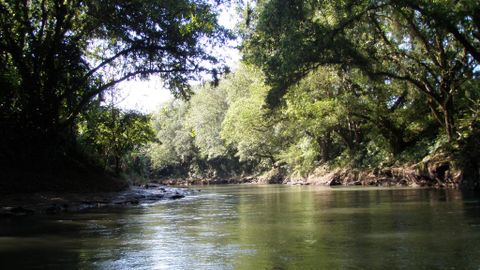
(221, 131)
(207, 111)
(174, 144)
(333, 116)
(114, 135)
(344, 83)
(397, 41)
(56, 57)
(302, 157)
(246, 127)
(187, 148)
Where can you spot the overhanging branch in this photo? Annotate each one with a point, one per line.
(88, 96)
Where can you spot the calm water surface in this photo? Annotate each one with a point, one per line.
(258, 227)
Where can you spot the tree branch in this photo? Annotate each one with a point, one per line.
(420, 85)
(120, 54)
(88, 96)
(441, 20)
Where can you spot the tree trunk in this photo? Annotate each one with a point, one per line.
(325, 143)
(444, 115)
(117, 165)
(449, 123)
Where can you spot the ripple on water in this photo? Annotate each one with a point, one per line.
(250, 227)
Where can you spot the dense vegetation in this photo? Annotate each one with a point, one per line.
(332, 84)
(357, 84)
(57, 59)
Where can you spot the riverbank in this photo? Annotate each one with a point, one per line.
(54, 203)
(434, 173)
(408, 176)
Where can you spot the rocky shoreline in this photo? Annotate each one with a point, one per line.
(54, 203)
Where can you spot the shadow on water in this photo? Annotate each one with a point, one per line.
(266, 227)
(67, 241)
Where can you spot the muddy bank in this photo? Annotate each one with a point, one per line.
(54, 203)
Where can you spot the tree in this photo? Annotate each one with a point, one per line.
(174, 146)
(461, 19)
(247, 127)
(337, 114)
(56, 56)
(114, 134)
(207, 111)
(387, 40)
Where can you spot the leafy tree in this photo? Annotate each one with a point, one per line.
(246, 126)
(318, 110)
(56, 56)
(174, 146)
(387, 40)
(188, 142)
(207, 111)
(460, 19)
(114, 134)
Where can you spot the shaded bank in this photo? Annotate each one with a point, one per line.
(54, 203)
(50, 175)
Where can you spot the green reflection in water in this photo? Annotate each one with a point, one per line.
(258, 227)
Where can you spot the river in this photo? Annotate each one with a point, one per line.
(257, 227)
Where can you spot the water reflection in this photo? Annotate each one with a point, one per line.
(250, 227)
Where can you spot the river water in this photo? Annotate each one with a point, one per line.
(257, 227)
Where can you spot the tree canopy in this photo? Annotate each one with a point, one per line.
(431, 45)
(361, 84)
(57, 56)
